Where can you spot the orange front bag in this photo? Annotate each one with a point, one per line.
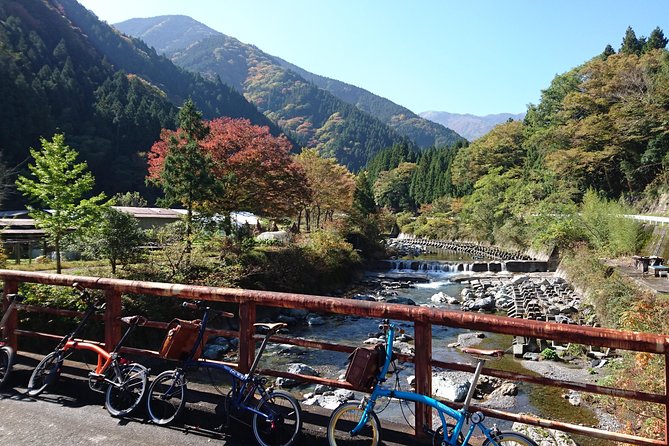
(180, 339)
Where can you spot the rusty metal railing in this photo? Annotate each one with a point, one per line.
(422, 317)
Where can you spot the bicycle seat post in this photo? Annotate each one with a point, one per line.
(273, 328)
(474, 382)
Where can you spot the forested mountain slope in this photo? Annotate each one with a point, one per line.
(422, 131)
(63, 70)
(311, 116)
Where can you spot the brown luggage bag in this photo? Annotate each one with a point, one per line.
(180, 340)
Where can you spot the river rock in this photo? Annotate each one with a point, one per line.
(296, 313)
(574, 398)
(400, 300)
(315, 320)
(469, 339)
(298, 369)
(286, 319)
(364, 297)
(214, 351)
(543, 436)
(439, 297)
(330, 400)
(282, 237)
(485, 303)
(403, 348)
(320, 389)
(452, 386)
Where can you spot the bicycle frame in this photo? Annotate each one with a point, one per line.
(244, 385)
(460, 416)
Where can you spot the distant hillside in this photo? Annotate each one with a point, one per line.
(161, 29)
(470, 126)
(311, 116)
(63, 70)
(423, 132)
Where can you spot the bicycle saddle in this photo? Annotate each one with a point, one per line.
(271, 327)
(479, 352)
(134, 320)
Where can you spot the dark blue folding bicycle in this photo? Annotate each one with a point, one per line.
(277, 416)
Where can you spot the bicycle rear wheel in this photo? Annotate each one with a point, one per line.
(46, 372)
(509, 439)
(344, 419)
(123, 397)
(283, 422)
(6, 362)
(166, 397)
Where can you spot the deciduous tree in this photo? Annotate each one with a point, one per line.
(59, 185)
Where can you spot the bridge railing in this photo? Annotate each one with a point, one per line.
(423, 319)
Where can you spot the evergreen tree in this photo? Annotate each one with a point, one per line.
(608, 51)
(631, 45)
(656, 40)
(59, 186)
(187, 176)
(363, 197)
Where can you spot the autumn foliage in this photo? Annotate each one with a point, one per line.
(254, 167)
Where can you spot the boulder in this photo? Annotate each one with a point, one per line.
(298, 369)
(282, 237)
(400, 300)
(452, 386)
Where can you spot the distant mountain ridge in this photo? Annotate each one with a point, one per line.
(470, 126)
(311, 108)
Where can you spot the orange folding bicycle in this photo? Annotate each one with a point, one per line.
(123, 382)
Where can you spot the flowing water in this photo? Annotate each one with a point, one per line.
(539, 400)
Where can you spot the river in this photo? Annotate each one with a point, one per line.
(541, 401)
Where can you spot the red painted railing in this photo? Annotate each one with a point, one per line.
(422, 317)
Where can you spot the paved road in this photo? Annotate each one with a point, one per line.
(72, 414)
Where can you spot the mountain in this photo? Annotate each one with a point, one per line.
(424, 132)
(63, 70)
(350, 130)
(470, 126)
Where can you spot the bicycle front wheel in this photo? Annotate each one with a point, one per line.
(283, 420)
(509, 439)
(166, 397)
(126, 392)
(344, 419)
(46, 372)
(6, 361)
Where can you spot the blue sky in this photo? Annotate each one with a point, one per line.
(466, 56)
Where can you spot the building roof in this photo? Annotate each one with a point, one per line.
(138, 212)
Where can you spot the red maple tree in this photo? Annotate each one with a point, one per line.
(257, 168)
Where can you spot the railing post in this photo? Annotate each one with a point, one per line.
(423, 361)
(112, 318)
(11, 287)
(666, 393)
(247, 345)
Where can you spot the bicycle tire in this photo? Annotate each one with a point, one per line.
(123, 398)
(344, 419)
(166, 397)
(284, 424)
(509, 439)
(46, 372)
(6, 363)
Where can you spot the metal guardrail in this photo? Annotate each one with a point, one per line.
(423, 319)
